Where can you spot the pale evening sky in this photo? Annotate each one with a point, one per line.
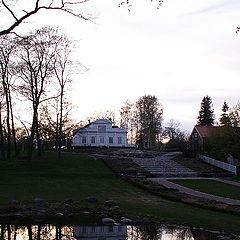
(179, 53)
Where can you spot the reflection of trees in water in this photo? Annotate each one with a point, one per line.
(144, 232)
(36, 232)
(179, 233)
(156, 232)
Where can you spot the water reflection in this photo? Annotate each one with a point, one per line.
(102, 232)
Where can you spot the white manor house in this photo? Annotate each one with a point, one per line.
(100, 133)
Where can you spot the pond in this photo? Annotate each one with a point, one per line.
(106, 232)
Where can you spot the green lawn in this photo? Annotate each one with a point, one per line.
(211, 186)
(78, 177)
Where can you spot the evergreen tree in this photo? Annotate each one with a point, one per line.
(206, 113)
(224, 119)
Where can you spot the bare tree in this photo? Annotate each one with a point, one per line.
(128, 3)
(108, 114)
(127, 119)
(62, 67)
(49, 123)
(2, 148)
(172, 129)
(35, 69)
(149, 119)
(7, 47)
(18, 16)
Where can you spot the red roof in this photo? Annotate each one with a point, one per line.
(205, 131)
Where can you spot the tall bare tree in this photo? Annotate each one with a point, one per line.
(149, 113)
(62, 67)
(7, 47)
(35, 69)
(127, 119)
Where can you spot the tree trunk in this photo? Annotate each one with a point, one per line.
(2, 147)
(60, 123)
(8, 126)
(13, 127)
(39, 145)
(30, 237)
(32, 135)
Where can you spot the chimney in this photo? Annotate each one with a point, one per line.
(89, 121)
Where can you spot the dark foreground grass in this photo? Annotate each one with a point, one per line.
(78, 177)
(211, 187)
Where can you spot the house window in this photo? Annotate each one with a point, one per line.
(195, 135)
(93, 140)
(102, 140)
(110, 229)
(102, 128)
(119, 140)
(84, 139)
(110, 140)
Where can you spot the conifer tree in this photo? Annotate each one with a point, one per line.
(206, 113)
(224, 119)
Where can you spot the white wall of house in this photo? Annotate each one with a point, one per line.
(100, 133)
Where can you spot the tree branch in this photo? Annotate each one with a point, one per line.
(62, 7)
(5, 5)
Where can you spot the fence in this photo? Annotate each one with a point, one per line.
(226, 166)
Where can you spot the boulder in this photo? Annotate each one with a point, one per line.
(108, 221)
(91, 200)
(125, 220)
(110, 203)
(68, 201)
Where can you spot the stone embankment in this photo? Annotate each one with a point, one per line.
(164, 166)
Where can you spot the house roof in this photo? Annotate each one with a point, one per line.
(98, 121)
(205, 131)
(102, 121)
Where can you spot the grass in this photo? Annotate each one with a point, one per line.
(211, 186)
(78, 176)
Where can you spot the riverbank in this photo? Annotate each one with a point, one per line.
(80, 187)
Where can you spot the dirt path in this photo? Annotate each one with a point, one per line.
(192, 192)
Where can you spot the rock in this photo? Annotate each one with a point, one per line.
(39, 201)
(13, 206)
(14, 202)
(125, 220)
(91, 199)
(108, 221)
(67, 206)
(59, 214)
(114, 210)
(224, 237)
(68, 201)
(110, 203)
(86, 212)
(18, 215)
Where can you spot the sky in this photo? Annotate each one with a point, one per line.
(180, 52)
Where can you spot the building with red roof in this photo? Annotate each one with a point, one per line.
(199, 138)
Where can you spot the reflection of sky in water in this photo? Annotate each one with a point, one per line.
(116, 232)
